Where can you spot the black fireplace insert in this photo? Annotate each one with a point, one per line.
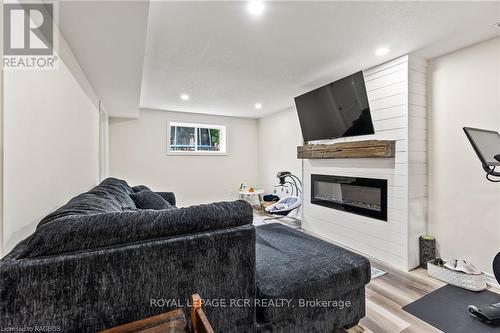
(362, 196)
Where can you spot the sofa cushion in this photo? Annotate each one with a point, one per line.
(110, 196)
(147, 199)
(139, 188)
(169, 196)
(91, 232)
(292, 264)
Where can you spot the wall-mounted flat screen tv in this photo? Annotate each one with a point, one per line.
(338, 109)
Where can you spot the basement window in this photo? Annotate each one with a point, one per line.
(196, 139)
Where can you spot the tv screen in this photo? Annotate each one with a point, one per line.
(338, 109)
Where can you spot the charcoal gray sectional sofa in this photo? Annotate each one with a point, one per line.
(117, 254)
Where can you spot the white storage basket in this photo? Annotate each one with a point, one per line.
(459, 279)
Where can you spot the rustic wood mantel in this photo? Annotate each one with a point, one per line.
(355, 149)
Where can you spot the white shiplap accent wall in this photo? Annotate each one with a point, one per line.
(396, 93)
(417, 156)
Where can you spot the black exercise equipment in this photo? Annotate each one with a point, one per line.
(486, 144)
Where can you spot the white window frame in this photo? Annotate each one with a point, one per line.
(223, 136)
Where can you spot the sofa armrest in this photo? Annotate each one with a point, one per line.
(168, 196)
(91, 291)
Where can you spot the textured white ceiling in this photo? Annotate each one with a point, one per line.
(227, 61)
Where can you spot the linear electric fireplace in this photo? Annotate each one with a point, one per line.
(363, 196)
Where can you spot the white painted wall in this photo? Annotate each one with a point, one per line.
(51, 143)
(1, 133)
(464, 208)
(279, 136)
(103, 143)
(138, 153)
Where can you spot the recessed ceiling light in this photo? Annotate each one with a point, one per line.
(381, 51)
(185, 97)
(258, 106)
(255, 7)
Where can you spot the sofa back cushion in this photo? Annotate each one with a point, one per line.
(94, 231)
(110, 196)
(139, 188)
(147, 199)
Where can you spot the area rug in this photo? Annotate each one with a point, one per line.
(446, 309)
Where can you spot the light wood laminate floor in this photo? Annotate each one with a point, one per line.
(385, 297)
